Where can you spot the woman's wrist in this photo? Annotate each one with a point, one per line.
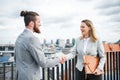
(99, 69)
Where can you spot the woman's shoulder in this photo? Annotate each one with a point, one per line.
(99, 40)
(78, 39)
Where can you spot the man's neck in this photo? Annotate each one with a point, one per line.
(31, 29)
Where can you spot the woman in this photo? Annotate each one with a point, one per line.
(88, 44)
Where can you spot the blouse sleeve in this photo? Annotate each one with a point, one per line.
(101, 53)
(73, 52)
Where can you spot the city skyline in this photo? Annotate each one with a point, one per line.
(60, 19)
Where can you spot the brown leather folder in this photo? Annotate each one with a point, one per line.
(91, 63)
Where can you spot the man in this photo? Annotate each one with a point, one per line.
(29, 56)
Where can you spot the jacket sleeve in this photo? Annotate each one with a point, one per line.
(102, 55)
(73, 52)
(38, 54)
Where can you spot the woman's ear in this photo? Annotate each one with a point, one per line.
(89, 28)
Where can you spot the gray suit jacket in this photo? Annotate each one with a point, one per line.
(92, 49)
(29, 57)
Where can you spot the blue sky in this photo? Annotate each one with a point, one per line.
(61, 18)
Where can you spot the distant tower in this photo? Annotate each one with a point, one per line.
(57, 42)
(51, 41)
(67, 45)
(73, 41)
(44, 42)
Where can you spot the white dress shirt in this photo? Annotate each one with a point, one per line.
(85, 41)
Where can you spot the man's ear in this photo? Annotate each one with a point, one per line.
(31, 23)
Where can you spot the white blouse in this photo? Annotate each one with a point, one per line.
(85, 41)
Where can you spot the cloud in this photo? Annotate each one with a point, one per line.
(84, 0)
(115, 18)
(59, 18)
(109, 8)
(108, 3)
(109, 11)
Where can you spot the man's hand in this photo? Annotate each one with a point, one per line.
(62, 59)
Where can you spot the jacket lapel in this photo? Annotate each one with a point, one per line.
(81, 45)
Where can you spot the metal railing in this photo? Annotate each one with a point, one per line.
(66, 71)
(112, 66)
(7, 70)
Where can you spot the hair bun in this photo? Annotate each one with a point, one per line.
(23, 13)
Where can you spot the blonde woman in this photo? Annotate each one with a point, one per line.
(87, 44)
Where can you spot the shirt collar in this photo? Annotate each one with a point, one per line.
(86, 38)
(28, 30)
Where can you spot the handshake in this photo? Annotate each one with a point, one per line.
(62, 58)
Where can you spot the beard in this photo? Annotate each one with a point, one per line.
(36, 29)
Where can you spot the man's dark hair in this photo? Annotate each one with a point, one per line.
(28, 16)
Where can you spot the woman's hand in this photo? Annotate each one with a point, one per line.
(98, 72)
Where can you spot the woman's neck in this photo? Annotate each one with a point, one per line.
(85, 36)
